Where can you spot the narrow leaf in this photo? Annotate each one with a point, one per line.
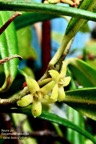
(8, 48)
(84, 73)
(76, 23)
(30, 18)
(48, 9)
(83, 100)
(56, 119)
(77, 119)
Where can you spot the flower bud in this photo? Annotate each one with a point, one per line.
(24, 101)
(54, 74)
(36, 108)
(48, 87)
(66, 81)
(32, 85)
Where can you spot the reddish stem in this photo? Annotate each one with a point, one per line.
(46, 45)
(8, 22)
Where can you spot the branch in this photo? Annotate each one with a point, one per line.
(8, 22)
(13, 99)
(9, 58)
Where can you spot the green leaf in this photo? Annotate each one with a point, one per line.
(76, 23)
(77, 119)
(85, 28)
(8, 48)
(48, 9)
(73, 27)
(56, 119)
(30, 18)
(83, 100)
(28, 71)
(83, 73)
(89, 53)
(24, 43)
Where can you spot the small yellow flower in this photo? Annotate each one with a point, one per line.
(61, 80)
(37, 95)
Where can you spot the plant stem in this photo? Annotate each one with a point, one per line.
(46, 45)
(62, 51)
(8, 22)
(13, 99)
(57, 10)
(10, 58)
(73, 27)
(59, 56)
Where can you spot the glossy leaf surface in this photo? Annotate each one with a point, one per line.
(30, 18)
(8, 47)
(83, 100)
(83, 73)
(56, 119)
(48, 9)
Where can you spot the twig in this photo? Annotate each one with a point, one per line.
(9, 21)
(13, 99)
(9, 58)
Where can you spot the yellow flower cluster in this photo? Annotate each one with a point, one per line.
(51, 92)
(61, 81)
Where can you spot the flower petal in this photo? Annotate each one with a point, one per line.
(46, 100)
(47, 88)
(54, 94)
(66, 81)
(36, 108)
(54, 74)
(61, 94)
(63, 69)
(25, 101)
(32, 85)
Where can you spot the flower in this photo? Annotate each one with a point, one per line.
(51, 92)
(61, 80)
(37, 95)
